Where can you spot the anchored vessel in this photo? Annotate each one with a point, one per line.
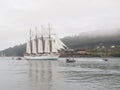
(43, 46)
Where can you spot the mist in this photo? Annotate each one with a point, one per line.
(67, 18)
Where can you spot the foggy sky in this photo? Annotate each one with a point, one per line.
(67, 17)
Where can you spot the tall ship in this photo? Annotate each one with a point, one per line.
(43, 46)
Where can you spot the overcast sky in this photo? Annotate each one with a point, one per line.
(67, 17)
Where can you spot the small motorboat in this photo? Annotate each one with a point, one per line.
(18, 58)
(105, 59)
(70, 60)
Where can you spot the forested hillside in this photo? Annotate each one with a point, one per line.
(17, 50)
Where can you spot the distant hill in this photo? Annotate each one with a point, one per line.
(84, 40)
(17, 50)
(93, 39)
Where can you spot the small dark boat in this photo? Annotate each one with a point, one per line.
(70, 60)
(19, 58)
(105, 59)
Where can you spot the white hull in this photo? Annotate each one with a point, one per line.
(43, 57)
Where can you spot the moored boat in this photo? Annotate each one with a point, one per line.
(70, 60)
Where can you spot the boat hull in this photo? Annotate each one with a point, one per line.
(41, 57)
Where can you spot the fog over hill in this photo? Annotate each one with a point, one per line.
(101, 33)
(93, 38)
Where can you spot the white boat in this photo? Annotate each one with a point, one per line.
(43, 46)
(2, 54)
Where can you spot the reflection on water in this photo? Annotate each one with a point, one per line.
(84, 74)
(40, 74)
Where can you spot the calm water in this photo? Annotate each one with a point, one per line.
(84, 74)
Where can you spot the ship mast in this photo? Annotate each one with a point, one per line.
(50, 40)
(42, 38)
(30, 43)
(36, 38)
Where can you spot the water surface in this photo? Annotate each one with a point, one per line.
(84, 74)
